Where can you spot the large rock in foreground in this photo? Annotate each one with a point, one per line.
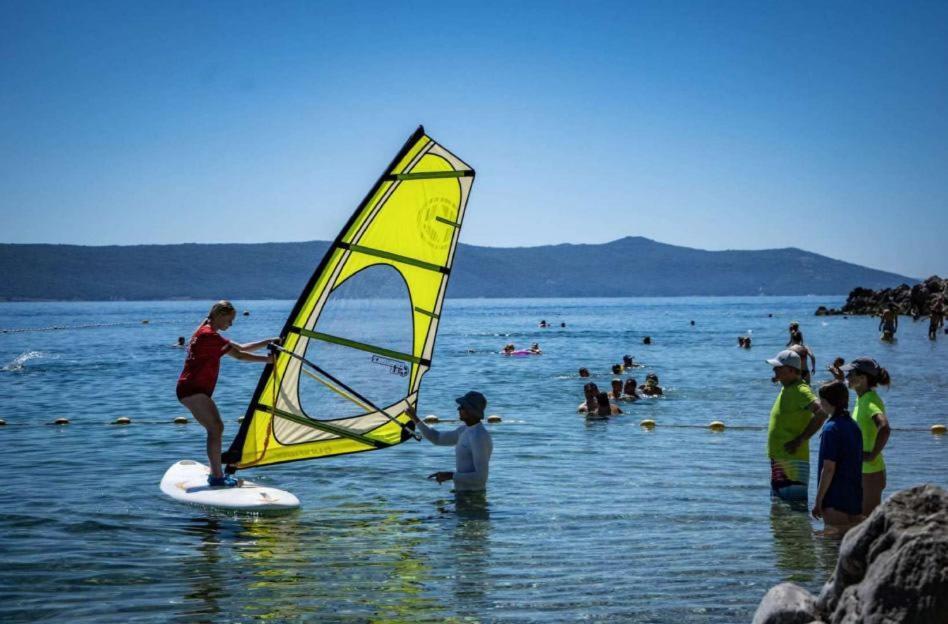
(893, 567)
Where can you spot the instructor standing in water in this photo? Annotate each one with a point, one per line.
(794, 418)
(472, 443)
(199, 377)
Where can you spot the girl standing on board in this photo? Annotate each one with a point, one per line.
(197, 380)
(863, 375)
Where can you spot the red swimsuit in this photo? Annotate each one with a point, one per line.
(205, 351)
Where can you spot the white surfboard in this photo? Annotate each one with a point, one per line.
(186, 482)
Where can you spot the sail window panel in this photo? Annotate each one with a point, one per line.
(371, 309)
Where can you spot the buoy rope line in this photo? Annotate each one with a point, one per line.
(23, 330)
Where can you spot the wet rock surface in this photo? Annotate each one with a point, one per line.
(893, 567)
(915, 301)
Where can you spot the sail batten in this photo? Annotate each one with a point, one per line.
(362, 333)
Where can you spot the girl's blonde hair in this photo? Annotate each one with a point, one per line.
(220, 308)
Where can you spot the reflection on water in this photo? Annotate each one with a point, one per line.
(803, 556)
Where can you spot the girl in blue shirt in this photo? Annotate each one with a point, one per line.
(839, 495)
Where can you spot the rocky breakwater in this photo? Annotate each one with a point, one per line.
(893, 567)
(915, 301)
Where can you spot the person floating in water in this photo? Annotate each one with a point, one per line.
(794, 418)
(647, 340)
(199, 377)
(590, 401)
(544, 324)
(889, 324)
(472, 442)
(605, 407)
(628, 362)
(839, 477)
(509, 348)
(651, 387)
(863, 375)
(535, 348)
(630, 390)
(584, 372)
(181, 342)
(617, 369)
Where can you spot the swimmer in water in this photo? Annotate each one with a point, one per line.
(747, 342)
(630, 391)
(796, 337)
(509, 348)
(740, 341)
(544, 324)
(606, 408)
(584, 372)
(616, 394)
(181, 342)
(535, 348)
(647, 340)
(651, 387)
(590, 404)
(628, 362)
(617, 369)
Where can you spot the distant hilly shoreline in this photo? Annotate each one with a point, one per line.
(628, 267)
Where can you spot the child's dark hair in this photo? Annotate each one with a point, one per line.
(836, 394)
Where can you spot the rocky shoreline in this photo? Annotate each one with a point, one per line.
(914, 301)
(893, 567)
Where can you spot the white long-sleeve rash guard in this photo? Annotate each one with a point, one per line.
(472, 449)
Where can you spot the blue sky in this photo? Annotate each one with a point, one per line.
(716, 125)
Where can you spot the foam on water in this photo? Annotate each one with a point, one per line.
(18, 363)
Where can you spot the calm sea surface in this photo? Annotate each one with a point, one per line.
(599, 521)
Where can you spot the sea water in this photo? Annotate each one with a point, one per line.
(602, 521)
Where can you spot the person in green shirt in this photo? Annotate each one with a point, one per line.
(795, 417)
(863, 375)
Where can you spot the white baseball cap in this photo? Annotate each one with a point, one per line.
(787, 358)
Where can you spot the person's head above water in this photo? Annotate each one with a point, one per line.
(616, 388)
(180, 341)
(604, 408)
(584, 372)
(627, 361)
(221, 315)
(616, 369)
(590, 389)
(471, 407)
(630, 386)
(647, 340)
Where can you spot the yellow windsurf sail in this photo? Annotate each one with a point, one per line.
(361, 336)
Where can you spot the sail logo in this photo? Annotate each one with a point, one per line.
(394, 366)
(434, 232)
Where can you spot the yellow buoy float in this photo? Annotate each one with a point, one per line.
(716, 425)
(180, 420)
(648, 423)
(494, 418)
(939, 429)
(122, 420)
(431, 418)
(60, 421)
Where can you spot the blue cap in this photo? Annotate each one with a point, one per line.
(474, 402)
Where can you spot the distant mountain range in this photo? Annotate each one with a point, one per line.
(631, 266)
